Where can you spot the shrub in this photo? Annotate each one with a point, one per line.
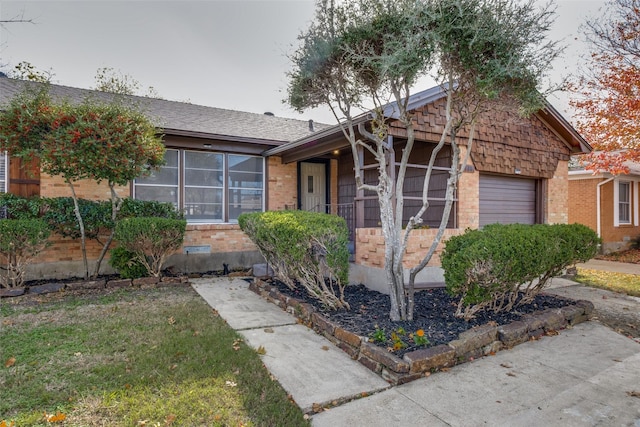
(58, 212)
(305, 247)
(20, 241)
(132, 208)
(127, 264)
(16, 207)
(152, 240)
(502, 266)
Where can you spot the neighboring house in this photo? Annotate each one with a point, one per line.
(221, 163)
(606, 203)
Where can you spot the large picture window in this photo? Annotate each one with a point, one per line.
(207, 187)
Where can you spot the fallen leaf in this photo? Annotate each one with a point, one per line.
(10, 362)
(170, 419)
(172, 321)
(58, 417)
(268, 330)
(634, 393)
(261, 350)
(511, 374)
(316, 407)
(230, 383)
(505, 365)
(325, 348)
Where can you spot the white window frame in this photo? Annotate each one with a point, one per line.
(632, 202)
(4, 178)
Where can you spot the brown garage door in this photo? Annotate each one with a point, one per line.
(507, 200)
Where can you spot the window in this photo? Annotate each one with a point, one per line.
(624, 202)
(208, 187)
(4, 160)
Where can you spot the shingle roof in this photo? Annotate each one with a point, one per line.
(181, 116)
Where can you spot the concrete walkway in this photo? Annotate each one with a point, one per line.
(584, 376)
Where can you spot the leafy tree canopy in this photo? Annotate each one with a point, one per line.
(607, 94)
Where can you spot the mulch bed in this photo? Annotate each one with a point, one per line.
(434, 313)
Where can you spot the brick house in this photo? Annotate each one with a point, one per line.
(606, 203)
(518, 172)
(221, 163)
(214, 171)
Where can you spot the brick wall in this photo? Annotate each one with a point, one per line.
(582, 201)
(283, 184)
(557, 203)
(583, 210)
(221, 237)
(468, 206)
(370, 246)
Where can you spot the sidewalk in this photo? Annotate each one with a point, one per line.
(580, 377)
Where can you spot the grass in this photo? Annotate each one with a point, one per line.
(156, 357)
(616, 282)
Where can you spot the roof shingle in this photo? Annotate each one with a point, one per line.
(185, 117)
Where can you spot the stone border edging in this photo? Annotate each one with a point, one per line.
(143, 282)
(476, 342)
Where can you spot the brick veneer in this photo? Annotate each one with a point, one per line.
(222, 238)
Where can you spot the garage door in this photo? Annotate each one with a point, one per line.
(507, 200)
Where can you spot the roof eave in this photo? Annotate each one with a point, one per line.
(230, 138)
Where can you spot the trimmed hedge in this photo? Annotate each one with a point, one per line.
(16, 207)
(20, 241)
(305, 247)
(502, 266)
(152, 240)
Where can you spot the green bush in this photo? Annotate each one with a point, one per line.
(127, 264)
(20, 241)
(132, 208)
(152, 240)
(16, 207)
(59, 213)
(501, 266)
(305, 247)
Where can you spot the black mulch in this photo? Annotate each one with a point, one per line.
(434, 313)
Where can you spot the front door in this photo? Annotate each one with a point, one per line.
(313, 187)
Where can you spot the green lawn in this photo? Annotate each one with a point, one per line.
(141, 357)
(616, 282)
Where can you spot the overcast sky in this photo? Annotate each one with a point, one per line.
(227, 54)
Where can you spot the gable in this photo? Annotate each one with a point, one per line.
(503, 143)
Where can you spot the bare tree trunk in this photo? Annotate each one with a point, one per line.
(83, 237)
(116, 204)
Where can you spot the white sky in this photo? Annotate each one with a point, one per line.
(228, 54)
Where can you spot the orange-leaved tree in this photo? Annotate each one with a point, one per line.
(608, 93)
